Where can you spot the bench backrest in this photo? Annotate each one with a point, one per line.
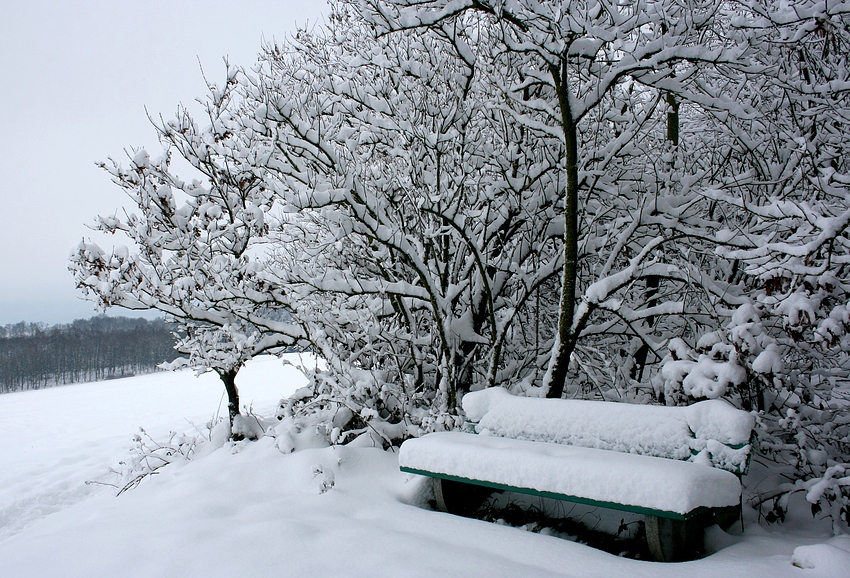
(711, 432)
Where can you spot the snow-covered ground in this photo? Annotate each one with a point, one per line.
(247, 509)
(52, 441)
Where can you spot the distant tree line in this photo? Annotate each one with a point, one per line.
(35, 355)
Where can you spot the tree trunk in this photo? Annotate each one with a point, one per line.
(643, 351)
(673, 120)
(652, 282)
(567, 329)
(228, 377)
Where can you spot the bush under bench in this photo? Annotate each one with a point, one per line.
(612, 455)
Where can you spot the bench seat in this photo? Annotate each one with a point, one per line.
(647, 485)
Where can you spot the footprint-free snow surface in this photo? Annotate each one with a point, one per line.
(247, 509)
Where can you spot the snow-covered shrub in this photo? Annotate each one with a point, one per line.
(353, 405)
(770, 359)
(148, 456)
(737, 362)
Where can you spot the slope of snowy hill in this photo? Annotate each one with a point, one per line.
(247, 509)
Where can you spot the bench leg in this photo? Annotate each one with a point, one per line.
(725, 517)
(459, 498)
(674, 540)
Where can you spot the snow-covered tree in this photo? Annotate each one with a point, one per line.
(424, 218)
(598, 78)
(790, 195)
(728, 217)
(197, 247)
(648, 198)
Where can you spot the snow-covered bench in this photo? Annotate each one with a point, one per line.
(679, 466)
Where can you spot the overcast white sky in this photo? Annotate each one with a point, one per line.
(75, 78)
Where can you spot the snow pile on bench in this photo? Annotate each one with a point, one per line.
(604, 477)
(702, 432)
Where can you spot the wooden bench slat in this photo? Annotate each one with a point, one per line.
(563, 497)
(648, 484)
(713, 428)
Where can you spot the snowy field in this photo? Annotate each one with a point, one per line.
(246, 509)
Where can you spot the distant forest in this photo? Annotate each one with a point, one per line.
(35, 355)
